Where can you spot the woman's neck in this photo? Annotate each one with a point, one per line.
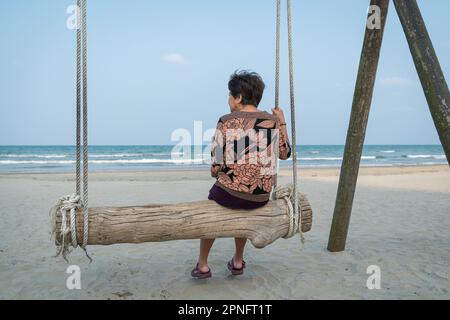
(249, 108)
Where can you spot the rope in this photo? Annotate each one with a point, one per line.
(78, 112)
(295, 204)
(292, 90)
(295, 214)
(277, 80)
(85, 130)
(70, 203)
(291, 84)
(277, 57)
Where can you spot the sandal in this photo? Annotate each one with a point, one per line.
(235, 271)
(196, 273)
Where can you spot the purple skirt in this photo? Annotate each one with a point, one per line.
(225, 199)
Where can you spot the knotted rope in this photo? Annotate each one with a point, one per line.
(288, 193)
(74, 202)
(71, 204)
(295, 216)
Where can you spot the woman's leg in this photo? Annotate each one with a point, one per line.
(205, 247)
(239, 255)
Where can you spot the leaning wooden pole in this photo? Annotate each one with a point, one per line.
(358, 123)
(183, 221)
(428, 68)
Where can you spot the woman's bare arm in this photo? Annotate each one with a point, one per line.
(284, 145)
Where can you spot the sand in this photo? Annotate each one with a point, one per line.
(400, 223)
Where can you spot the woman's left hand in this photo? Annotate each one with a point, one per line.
(279, 114)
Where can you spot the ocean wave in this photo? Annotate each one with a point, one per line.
(116, 155)
(322, 159)
(427, 163)
(387, 151)
(122, 161)
(42, 156)
(36, 162)
(130, 155)
(334, 158)
(413, 159)
(165, 154)
(149, 161)
(425, 156)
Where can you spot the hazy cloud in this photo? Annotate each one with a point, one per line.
(174, 58)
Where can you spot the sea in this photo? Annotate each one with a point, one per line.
(49, 159)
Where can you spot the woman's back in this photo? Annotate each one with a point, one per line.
(244, 154)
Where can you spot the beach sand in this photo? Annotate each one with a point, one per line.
(400, 223)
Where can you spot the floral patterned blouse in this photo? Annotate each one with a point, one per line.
(244, 154)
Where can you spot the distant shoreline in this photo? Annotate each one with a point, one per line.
(204, 145)
(284, 171)
(62, 159)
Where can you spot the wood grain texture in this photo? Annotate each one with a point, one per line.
(194, 220)
(428, 68)
(356, 133)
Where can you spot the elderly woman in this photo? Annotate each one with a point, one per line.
(244, 159)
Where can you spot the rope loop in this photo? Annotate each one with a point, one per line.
(74, 202)
(66, 204)
(295, 216)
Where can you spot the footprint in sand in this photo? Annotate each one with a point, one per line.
(123, 294)
(164, 294)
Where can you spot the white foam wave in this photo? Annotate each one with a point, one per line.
(322, 159)
(426, 156)
(334, 158)
(121, 161)
(129, 155)
(179, 161)
(149, 161)
(387, 151)
(116, 155)
(41, 156)
(36, 162)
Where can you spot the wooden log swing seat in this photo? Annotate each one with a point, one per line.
(183, 221)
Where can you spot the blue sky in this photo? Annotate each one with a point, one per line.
(155, 66)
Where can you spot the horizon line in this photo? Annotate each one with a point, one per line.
(170, 145)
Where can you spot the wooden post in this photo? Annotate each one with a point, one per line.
(362, 100)
(428, 68)
(182, 221)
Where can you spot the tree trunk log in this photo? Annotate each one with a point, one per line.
(428, 68)
(356, 133)
(195, 220)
